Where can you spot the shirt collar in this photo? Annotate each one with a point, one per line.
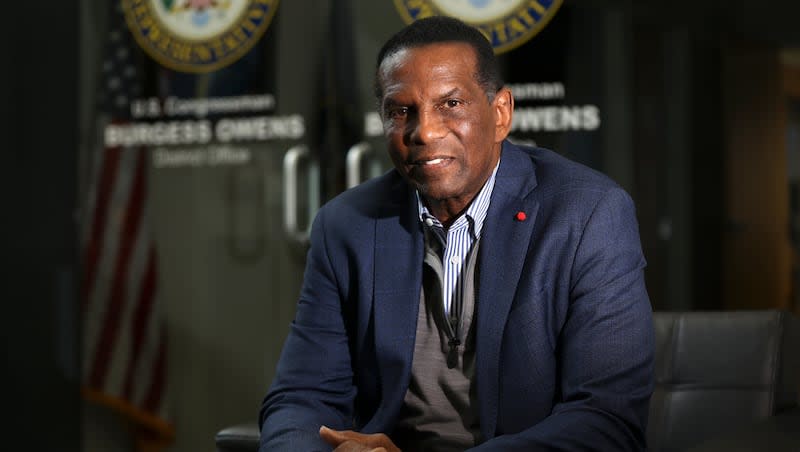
(475, 213)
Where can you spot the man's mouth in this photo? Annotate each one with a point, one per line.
(433, 161)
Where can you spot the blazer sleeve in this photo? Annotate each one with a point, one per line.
(313, 385)
(606, 346)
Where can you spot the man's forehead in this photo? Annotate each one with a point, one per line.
(397, 59)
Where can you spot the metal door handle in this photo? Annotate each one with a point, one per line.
(291, 163)
(355, 155)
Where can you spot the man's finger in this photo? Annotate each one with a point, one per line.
(334, 437)
(378, 442)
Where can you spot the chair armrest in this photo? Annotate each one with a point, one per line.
(777, 433)
(238, 438)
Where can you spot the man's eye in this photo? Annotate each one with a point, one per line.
(452, 103)
(399, 112)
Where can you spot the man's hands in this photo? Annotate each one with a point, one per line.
(350, 441)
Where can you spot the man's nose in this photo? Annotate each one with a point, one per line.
(428, 126)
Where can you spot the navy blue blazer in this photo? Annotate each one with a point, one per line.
(564, 334)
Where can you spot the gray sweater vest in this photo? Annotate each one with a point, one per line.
(440, 407)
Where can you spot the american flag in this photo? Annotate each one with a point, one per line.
(124, 339)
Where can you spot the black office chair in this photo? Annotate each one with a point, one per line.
(726, 379)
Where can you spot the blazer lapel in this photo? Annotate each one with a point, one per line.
(398, 280)
(504, 246)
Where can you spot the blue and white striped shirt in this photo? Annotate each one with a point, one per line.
(459, 239)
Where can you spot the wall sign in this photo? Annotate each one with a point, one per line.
(197, 36)
(507, 23)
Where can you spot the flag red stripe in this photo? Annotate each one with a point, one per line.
(142, 318)
(108, 175)
(130, 228)
(155, 393)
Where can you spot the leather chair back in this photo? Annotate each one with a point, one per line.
(717, 372)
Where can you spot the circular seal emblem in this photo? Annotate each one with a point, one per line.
(507, 23)
(197, 35)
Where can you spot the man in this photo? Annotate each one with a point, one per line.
(482, 295)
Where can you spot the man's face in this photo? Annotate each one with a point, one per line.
(444, 133)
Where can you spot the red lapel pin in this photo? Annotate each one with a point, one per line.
(520, 216)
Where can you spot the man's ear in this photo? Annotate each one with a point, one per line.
(503, 105)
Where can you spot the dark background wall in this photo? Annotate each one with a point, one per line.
(39, 181)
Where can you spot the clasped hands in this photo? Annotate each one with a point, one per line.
(350, 441)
